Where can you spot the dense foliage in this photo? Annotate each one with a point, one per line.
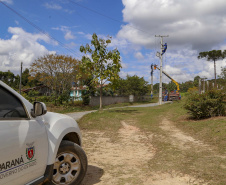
(132, 85)
(85, 97)
(14, 80)
(206, 105)
(56, 72)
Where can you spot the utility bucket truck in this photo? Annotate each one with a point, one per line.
(173, 95)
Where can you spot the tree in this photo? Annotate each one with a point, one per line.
(186, 85)
(223, 73)
(25, 76)
(57, 72)
(156, 87)
(134, 85)
(171, 86)
(104, 65)
(10, 79)
(222, 78)
(196, 81)
(27, 81)
(213, 55)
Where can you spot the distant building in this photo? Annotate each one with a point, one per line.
(42, 89)
(76, 92)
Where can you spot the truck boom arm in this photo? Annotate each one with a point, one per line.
(155, 66)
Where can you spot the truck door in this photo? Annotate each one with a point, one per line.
(23, 142)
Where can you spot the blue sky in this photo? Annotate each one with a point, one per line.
(192, 26)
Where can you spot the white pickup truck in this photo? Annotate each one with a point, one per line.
(36, 146)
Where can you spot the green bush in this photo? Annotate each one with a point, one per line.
(85, 98)
(43, 98)
(206, 105)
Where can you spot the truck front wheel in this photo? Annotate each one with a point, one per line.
(70, 165)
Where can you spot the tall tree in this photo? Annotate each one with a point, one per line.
(213, 55)
(104, 65)
(57, 72)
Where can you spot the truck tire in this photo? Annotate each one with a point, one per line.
(70, 165)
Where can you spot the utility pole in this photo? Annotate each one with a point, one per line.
(152, 70)
(204, 83)
(207, 85)
(160, 56)
(21, 76)
(200, 90)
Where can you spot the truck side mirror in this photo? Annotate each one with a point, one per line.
(39, 109)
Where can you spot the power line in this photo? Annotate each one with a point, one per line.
(38, 28)
(103, 15)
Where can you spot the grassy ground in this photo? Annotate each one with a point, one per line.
(207, 163)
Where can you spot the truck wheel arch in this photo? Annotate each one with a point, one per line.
(73, 137)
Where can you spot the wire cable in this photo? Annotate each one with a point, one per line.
(38, 28)
(103, 15)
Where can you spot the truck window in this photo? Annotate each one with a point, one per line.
(10, 106)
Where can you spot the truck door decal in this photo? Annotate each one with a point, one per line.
(30, 151)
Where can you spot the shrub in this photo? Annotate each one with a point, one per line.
(43, 99)
(85, 98)
(206, 105)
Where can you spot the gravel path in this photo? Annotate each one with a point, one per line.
(79, 115)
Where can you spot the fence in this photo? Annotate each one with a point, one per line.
(108, 100)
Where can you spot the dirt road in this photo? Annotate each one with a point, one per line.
(125, 161)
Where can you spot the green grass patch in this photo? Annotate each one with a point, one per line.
(201, 163)
(69, 108)
(107, 120)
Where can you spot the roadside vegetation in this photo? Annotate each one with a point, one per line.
(205, 161)
(206, 105)
(78, 106)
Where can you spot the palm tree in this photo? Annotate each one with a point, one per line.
(213, 55)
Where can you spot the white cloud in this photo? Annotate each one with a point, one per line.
(201, 24)
(139, 55)
(7, 1)
(118, 43)
(81, 33)
(68, 35)
(172, 70)
(88, 36)
(21, 47)
(71, 45)
(52, 6)
(182, 65)
(124, 66)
